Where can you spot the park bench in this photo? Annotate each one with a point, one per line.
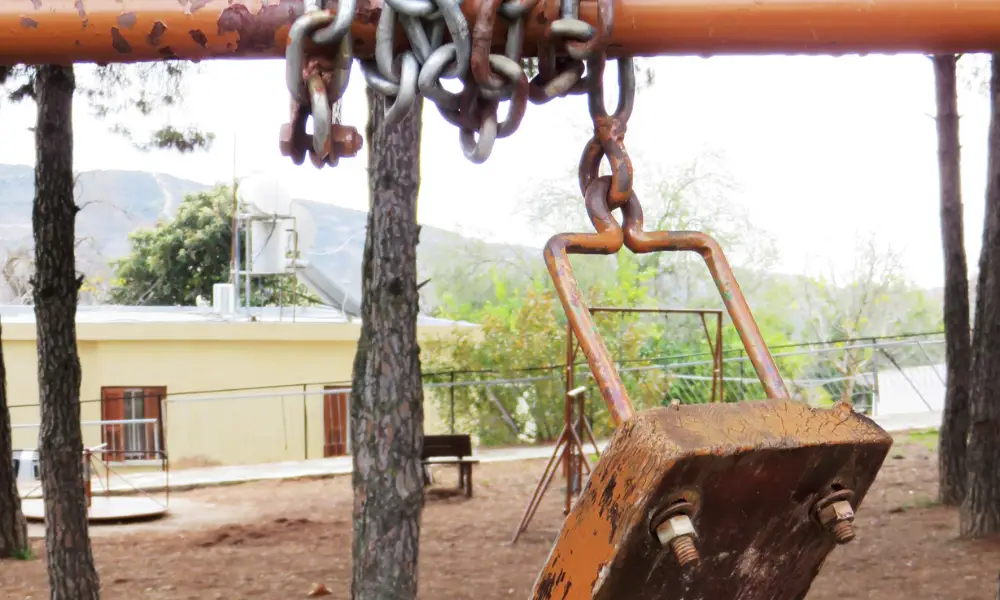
(455, 449)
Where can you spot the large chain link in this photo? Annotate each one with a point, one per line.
(317, 82)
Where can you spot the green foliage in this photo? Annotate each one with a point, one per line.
(179, 260)
(523, 327)
(25, 554)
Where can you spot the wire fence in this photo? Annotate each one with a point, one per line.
(879, 377)
(306, 421)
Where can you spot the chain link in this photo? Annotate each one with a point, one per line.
(317, 82)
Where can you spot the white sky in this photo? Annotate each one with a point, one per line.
(821, 148)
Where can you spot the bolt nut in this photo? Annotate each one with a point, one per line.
(678, 532)
(345, 140)
(838, 518)
(674, 527)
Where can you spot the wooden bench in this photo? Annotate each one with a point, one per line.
(453, 449)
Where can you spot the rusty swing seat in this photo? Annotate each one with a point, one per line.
(708, 502)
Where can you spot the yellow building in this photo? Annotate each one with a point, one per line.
(203, 388)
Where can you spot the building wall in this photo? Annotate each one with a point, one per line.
(204, 423)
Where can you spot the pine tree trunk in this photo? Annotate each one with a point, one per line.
(958, 351)
(72, 575)
(13, 529)
(980, 514)
(387, 417)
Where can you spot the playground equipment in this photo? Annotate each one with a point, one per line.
(705, 501)
(118, 499)
(570, 451)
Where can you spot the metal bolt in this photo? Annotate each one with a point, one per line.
(678, 532)
(836, 515)
(684, 550)
(843, 531)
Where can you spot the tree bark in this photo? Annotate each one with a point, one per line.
(14, 541)
(980, 514)
(958, 349)
(387, 416)
(72, 575)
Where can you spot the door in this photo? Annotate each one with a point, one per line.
(335, 419)
(112, 434)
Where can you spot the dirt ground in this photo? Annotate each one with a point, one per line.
(275, 540)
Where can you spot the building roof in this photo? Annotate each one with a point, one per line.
(108, 314)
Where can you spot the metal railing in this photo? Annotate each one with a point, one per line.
(125, 440)
(879, 377)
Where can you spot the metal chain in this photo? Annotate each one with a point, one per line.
(317, 83)
(609, 131)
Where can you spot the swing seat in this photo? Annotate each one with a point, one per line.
(765, 491)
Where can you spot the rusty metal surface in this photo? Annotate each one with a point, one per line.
(35, 31)
(752, 472)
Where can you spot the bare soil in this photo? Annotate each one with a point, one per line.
(276, 540)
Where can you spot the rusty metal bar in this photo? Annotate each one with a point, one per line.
(678, 311)
(36, 31)
(543, 485)
(641, 242)
(607, 240)
(717, 362)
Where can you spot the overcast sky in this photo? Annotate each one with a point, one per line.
(822, 149)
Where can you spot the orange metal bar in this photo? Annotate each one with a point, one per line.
(35, 31)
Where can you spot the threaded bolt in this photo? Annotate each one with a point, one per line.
(843, 531)
(684, 550)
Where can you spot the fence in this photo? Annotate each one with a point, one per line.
(887, 376)
(879, 377)
(125, 440)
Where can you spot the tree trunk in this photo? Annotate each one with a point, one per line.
(980, 514)
(13, 529)
(387, 417)
(72, 575)
(958, 351)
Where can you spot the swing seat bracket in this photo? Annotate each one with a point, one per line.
(749, 482)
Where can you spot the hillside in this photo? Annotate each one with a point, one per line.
(115, 203)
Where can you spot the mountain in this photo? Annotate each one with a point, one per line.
(115, 203)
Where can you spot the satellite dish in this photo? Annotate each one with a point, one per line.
(305, 227)
(264, 195)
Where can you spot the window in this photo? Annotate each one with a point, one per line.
(131, 428)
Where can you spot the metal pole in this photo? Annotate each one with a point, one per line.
(874, 378)
(743, 390)
(236, 261)
(718, 356)
(570, 453)
(59, 31)
(305, 422)
(451, 391)
(249, 264)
